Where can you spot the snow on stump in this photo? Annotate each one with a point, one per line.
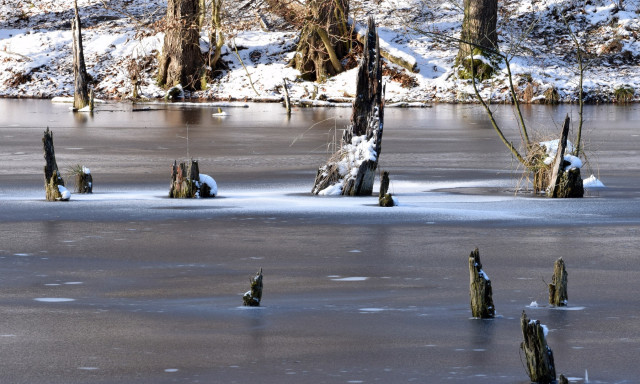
(83, 179)
(385, 199)
(566, 181)
(558, 288)
(252, 297)
(187, 182)
(53, 182)
(540, 365)
(351, 170)
(480, 289)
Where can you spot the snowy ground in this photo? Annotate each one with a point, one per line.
(35, 49)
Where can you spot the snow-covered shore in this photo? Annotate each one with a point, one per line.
(35, 51)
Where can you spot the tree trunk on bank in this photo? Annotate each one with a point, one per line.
(558, 288)
(478, 26)
(80, 93)
(53, 182)
(216, 37)
(351, 170)
(539, 357)
(480, 289)
(181, 59)
(324, 39)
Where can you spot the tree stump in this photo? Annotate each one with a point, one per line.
(540, 364)
(188, 182)
(84, 180)
(252, 297)
(564, 183)
(53, 182)
(558, 287)
(480, 289)
(181, 59)
(80, 93)
(385, 199)
(351, 170)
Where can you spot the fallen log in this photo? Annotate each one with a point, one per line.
(253, 297)
(539, 357)
(480, 289)
(558, 287)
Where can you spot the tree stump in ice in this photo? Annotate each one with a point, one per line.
(80, 93)
(83, 179)
(184, 179)
(558, 287)
(351, 170)
(53, 182)
(480, 289)
(540, 365)
(252, 297)
(563, 380)
(384, 198)
(564, 183)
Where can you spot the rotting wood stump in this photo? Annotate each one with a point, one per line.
(83, 180)
(480, 289)
(253, 297)
(183, 180)
(564, 183)
(558, 287)
(351, 170)
(53, 182)
(385, 199)
(540, 365)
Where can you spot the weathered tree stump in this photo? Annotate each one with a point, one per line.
(564, 183)
(84, 180)
(80, 93)
(253, 297)
(188, 182)
(558, 287)
(385, 199)
(563, 380)
(540, 364)
(351, 170)
(480, 289)
(287, 100)
(53, 182)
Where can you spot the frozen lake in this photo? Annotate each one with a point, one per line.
(128, 286)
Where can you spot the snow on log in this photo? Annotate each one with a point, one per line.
(53, 182)
(351, 170)
(558, 287)
(480, 289)
(540, 365)
(253, 297)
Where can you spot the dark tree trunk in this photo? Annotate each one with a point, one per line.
(53, 182)
(324, 39)
(539, 357)
(353, 166)
(80, 93)
(480, 289)
(181, 59)
(478, 27)
(564, 183)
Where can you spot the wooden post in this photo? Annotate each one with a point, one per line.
(353, 166)
(540, 364)
(253, 297)
(80, 93)
(287, 100)
(385, 199)
(480, 289)
(53, 182)
(558, 287)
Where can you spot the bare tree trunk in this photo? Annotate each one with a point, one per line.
(216, 37)
(324, 39)
(478, 26)
(53, 182)
(181, 59)
(80, 93)
(352, 169)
